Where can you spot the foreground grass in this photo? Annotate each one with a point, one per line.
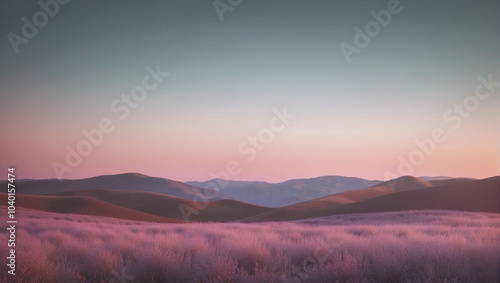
(419, 246)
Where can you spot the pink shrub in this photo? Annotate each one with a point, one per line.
(71, 251)
(345, 267)
(33, 259)
(220, 269)
(248, 254)
(195, 245)
(161, 266)
(416, 246)
(99, 264)
(54, 237)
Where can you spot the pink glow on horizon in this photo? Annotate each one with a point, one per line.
(303, 150)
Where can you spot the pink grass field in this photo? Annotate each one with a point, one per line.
(411, 246)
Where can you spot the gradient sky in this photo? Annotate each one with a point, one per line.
(226, 77)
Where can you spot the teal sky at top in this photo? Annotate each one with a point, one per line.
(230, 74)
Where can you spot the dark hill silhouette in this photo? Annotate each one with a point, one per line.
(168, 206)
(85, 206)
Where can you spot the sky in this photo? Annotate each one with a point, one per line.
(250, 90)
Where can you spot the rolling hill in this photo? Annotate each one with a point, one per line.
(84, 206)
(288, 192)
(125, 182)
(257, 193)
(139, 197)
(404, 193)
(168, 206)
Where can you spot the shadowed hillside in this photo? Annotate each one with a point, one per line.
(85, 206)
(409, 194)
(126, 182)
(288, 192)
(168, 206)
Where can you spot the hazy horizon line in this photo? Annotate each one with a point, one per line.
(244, 180)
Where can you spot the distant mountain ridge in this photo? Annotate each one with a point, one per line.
(403, 193)
(253, 192)
(124, 182)
(288, 192)
(263, 194)
(436, 178)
